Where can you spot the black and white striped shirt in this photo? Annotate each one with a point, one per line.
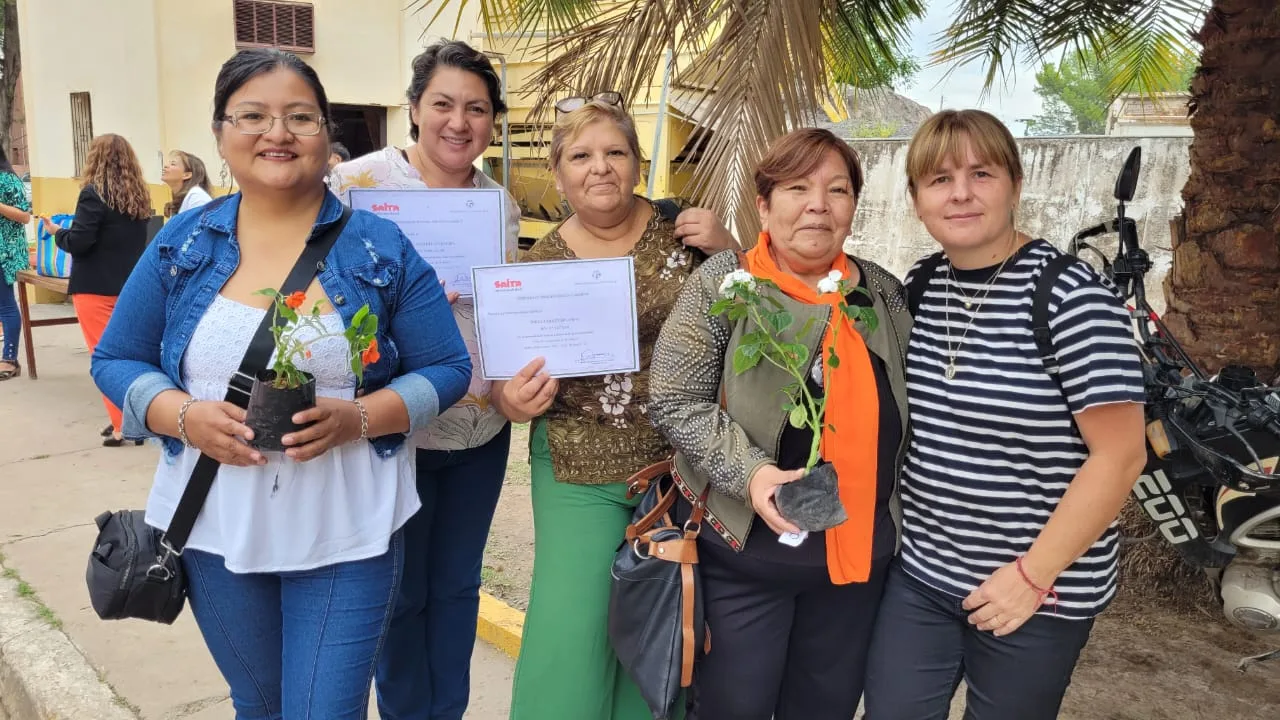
(994, 448)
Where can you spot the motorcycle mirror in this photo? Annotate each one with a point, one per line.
(1127, 183)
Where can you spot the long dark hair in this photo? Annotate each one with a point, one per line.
(199, 178)
(454, 54)
(249, 64)
(5, 165)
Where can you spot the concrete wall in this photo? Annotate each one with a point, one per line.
(1068, 187)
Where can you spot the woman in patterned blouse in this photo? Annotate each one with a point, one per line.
(592, 433)
(454, 98)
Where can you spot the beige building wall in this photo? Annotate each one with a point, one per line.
(150, 67)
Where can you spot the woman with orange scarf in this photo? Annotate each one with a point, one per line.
(790, 601)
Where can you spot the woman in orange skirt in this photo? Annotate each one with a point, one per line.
(105, 240)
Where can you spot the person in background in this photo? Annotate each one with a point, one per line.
(188, 181)
(105, 240)
(1014, 476)
(791, 625)
(15, 213)
(338, 154)
(592, 433)
(294, 561)
(454, 97)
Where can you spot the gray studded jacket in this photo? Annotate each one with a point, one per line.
(692, 370)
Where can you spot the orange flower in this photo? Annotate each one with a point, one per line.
(295, 300)
(370, 355)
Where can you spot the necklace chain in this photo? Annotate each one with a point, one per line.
(953, 282)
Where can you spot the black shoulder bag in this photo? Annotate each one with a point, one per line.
(135, 570)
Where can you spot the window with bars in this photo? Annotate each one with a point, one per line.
(275, 23)
(81, 128)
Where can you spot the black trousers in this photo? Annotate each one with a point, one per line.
(785, 642)
(924, 645)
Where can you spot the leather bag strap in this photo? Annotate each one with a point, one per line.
(255, 360)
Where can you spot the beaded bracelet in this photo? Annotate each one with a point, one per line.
(364, 419)
(182, 422)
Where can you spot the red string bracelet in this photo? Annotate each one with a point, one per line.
(1047, 596)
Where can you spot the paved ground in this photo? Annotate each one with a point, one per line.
(54, 478)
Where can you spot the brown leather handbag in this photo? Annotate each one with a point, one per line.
(655, 604)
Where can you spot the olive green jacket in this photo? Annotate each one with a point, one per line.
(693, 364)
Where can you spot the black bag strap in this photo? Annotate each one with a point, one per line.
(255, 359)
(1040, 314)
(920, 281)
(668, 208)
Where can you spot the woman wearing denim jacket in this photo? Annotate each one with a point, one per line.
(295, 559)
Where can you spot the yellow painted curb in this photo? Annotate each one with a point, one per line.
(499, 624)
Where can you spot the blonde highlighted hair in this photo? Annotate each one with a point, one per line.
(570, 125)
(112, 167)
(950, 134)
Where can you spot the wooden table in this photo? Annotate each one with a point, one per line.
(29, 277)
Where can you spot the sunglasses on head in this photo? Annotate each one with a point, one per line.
(569, 104)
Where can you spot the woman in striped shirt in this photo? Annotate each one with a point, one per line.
(1014, 476)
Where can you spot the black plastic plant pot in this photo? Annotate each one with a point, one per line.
(812, 503)
(271, 409)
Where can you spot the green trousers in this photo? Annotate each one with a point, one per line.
(567, 670)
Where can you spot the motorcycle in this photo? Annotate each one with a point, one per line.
(1210, 483)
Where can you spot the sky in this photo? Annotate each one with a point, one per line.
(1012, 102)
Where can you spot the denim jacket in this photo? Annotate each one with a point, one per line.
(423, 358)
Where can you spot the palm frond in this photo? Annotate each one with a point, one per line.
(1141, 38)
(519, 16)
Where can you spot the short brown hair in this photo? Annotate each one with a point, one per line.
(799, 153)
(570, 125)
(946, 135)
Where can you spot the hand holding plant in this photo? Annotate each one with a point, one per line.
(283, 402)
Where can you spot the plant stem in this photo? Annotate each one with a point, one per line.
(814, 408)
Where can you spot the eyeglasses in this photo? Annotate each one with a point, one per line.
(569, 104)
(256, 122)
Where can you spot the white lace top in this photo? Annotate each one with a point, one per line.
(285, 515)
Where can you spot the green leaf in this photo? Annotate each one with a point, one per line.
(833, 360)
(370, 326)
(744, 359)
(268, 292)
(288, 313)
(780, 321)
(737, 312)
(358, 319)
(721, 306)
(797, 417)
(357, 367)
(797, 354)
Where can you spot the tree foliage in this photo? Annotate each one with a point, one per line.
(1077, 93)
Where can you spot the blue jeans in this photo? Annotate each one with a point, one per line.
(923, 645)
(11, 322)
(296, 645)
(425, 668)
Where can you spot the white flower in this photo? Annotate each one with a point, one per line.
(849, 247)
(830, 283)
(737, 278)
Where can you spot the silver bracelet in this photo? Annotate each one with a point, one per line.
(364, 419)
(182, 422)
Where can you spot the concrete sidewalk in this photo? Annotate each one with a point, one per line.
(54, 478)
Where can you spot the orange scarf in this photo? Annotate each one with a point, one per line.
(853, 410)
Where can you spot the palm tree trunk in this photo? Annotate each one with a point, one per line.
(1223, 292)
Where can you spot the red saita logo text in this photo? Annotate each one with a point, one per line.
(385, 208)
(504, 284)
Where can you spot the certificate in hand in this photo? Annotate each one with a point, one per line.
(454, 230)
(578, 314)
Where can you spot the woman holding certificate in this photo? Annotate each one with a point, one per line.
(454, 98)
(790, 613)
(592, 433)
